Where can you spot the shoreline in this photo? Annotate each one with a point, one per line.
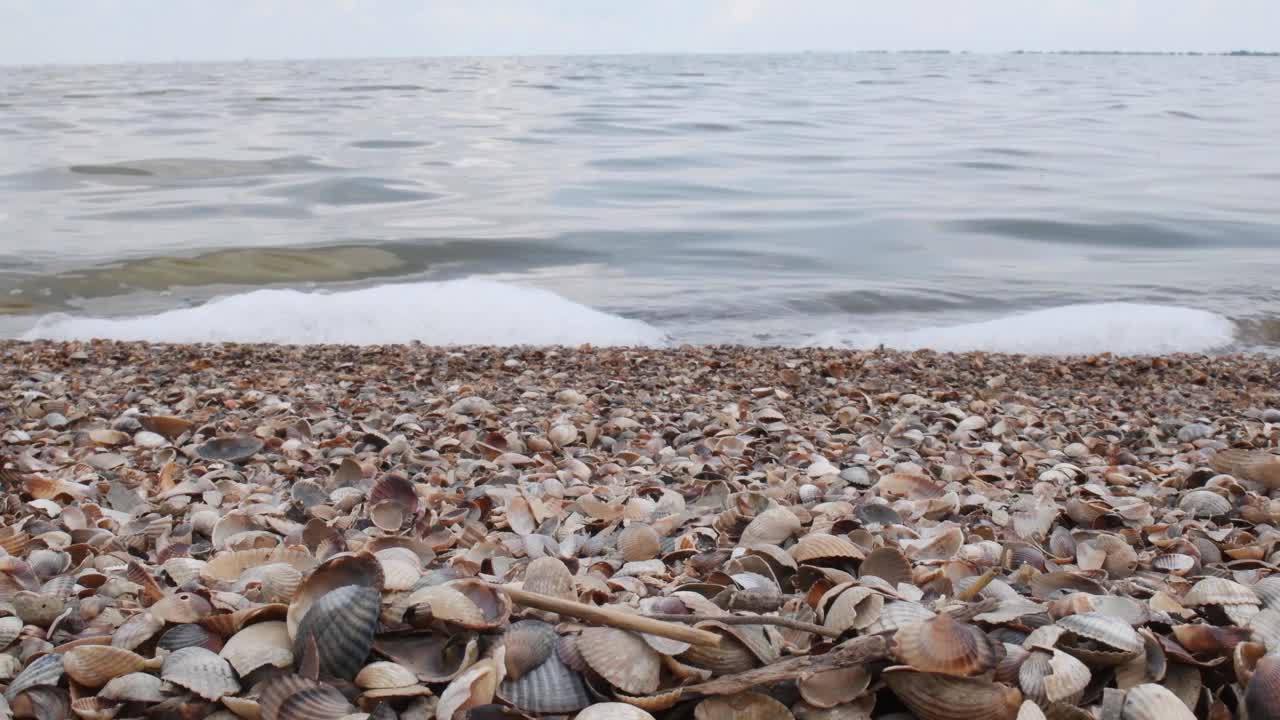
(1006, 492)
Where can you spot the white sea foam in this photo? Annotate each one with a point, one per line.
(457, 312)
(1120, 328)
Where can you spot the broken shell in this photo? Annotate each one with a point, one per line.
(943, 645)
(201, 672)
(1049, 675)
(476, 686)
(134, 687)
(382, 675)
(266, 643)
(622, 658)
(829, 688)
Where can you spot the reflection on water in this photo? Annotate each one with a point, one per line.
(755, 199)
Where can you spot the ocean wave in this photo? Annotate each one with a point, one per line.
(455, 312)
(1120, 328)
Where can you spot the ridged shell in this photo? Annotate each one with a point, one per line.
(1204, 504)
(622, 658)
(1266, 628)
(943, 645)
(550, 688)
(613, 711)
(184, 635)
(1153, 702)
(228, 565)
(44, 670)
(1050, 676)
(888, 564)
(528, 643)
(742, 706)
(134, 687)
(771, 527)
(342, 623)
(93, 665)
(277, 582)
(1262, 694)
(10, 627)
(1173, 563)
(317, 703)
(397, 488)
(942, 697)
(1257, 466)
(822, 546)
(338, 571)
(1220, 591)
(741, 648)
(853, 608)
(548, 576)
(266, 643)
(135, 631)
(1110, 631)
(228, 624)
(94, 708)
(898, 614)
(907, 485)
(639, 542)
(381, 675)
(401, 568)
(474, 687)
(201, 672)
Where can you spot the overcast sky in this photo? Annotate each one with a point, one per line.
(42, 31)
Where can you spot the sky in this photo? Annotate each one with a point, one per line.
(112, 31)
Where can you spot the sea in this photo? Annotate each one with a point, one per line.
(1045, 204)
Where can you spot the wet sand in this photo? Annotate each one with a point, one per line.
(1012, 493)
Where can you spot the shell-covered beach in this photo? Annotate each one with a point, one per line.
(278, 532)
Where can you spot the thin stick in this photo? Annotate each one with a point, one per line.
(983, 581)
(611, 618)
(785, 622)
(857, 651)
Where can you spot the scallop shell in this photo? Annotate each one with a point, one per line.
(943, 697)
(383, 675)
(10, 627)
(908, 486)
(898, 614)
(201, 672)
(1220, 591)
(771, 527)
(94, 708)
(528, 643)
(256, 646)
(1153, 702)
(185, 635)
(233, 449)
(1049, 675)
(93, 665)
(639, 542)
(277, 582)
(135, 631)
(943, 645)
(548, 576)
(134, 687)
(170, 427)
(829, 688)
(822, 546)
(44, 670)
(1204, 504)
(434, 658)
(346, 569)
(853, 608)
(549, 688)
(742, 706)
(741, 648)
(613, 711)
(1112, 632)
(229, 565)
(1257, 466)
(388, 515)
(227, 624)
(1262, 694)
(315, 703)
(622, 658)
(888, 564)
(401, 567)
(342, 624)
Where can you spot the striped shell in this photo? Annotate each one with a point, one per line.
(550, 688)
(613, 711)
(888, 564)
(622, 658)
(528, 643)
(548, 576)
(741, 706)
(201, 672)
(822, 546)
(134, 687)
(93, 665)
(639, 542)
(1220, 591)
(943, 645)
(943, 697)
(342, 624)
(1153, 702)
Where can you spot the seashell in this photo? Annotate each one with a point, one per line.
(39, 609)
(744, 706)
(434, 658)
(1052, 584)
(1049, 675)
(93, 665)
(887, 563)
(388, 515)
(529, 643)
(345, 569)
(1220, 591)
(1262, 693)
(468, 603)
(943, 697)
(898, 614)
(171, 428)
(42, 671)
(1207, 640)
(134, 687)
(639, 542)
(1120, 641)
(771, 527)
(227, 624)
(94, 708)
(395, 488)
(201, 672)
(549, 688)
(185, 635)
(548, 576)
(181, 607)
(1258, 466)
(613, 711)
(229, 566)
(10, 627)
(853, 608)
(260, 645)
(907, 486)
(1173, 563)
(829, 688)
(383, 675)
(621, 658)
(943, 645)
(231, 449)
(474, 687)
(816, 547)
(1204, 504)
(401, 568)
(1153, 702)
(342, 624)
(876, 513)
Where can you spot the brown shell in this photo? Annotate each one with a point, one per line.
(1257, 466)
(944, 697)
(624, 659)
(183, 607)
(395, 488)
(639, 542)
(613, 711)
(266, 643)
(771, 527)
(943, 645)
(167, 425)
(201, 672)
(829, 688)
(823, 546)
(742, 706)
(93, 665)
(853, 607)
(549, 576)
(382, 675)
(528, 643)
(889, 564)
(228, 565)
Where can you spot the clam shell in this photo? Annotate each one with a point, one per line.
(613, 711)
(382, 675)
(1220, 591)
(621, 658)
(742, 706)
(548, 576)
(822, 546)
(134, 687)
(256, 646)
(201, 672)
(233, 449)
(93, 665)
(639, 542)
(346, 569)
(1153, 702)
(342, 624)
(943, 645)
(943, 697)
(528, 643)
(549, 688)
